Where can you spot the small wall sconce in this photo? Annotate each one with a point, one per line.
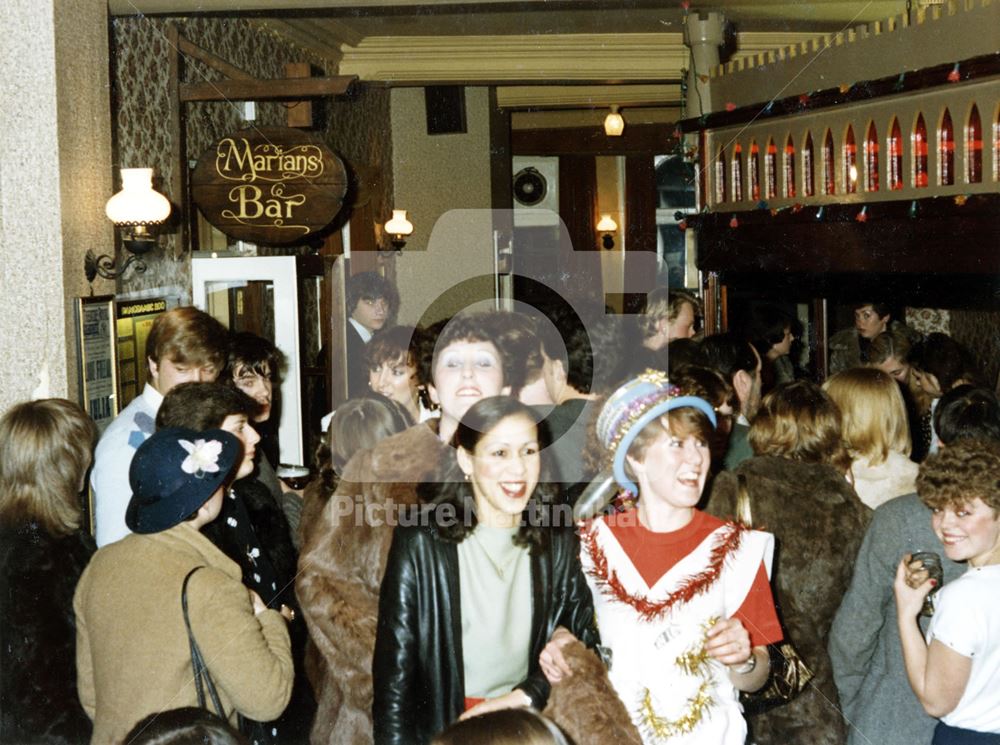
(607, 227)
(614, 125)
(399, 228)
(135, 209)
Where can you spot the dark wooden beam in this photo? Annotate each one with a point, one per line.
(638, 139)
(289, 89)
(190, 49)
(945, 235)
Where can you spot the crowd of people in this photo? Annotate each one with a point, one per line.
(546, 528)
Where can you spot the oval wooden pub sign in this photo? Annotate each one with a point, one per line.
(269, 185)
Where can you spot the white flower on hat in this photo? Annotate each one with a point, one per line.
(203, 456)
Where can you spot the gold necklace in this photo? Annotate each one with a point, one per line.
(497, 567)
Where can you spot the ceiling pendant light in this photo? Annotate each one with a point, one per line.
(614, 125)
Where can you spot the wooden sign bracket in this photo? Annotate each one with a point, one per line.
(239, 85)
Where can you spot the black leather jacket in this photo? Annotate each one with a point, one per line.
(418, 668)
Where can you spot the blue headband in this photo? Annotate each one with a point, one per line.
(634, 405)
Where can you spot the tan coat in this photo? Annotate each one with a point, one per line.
(133, 657)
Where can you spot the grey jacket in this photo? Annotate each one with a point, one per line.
(875, 695)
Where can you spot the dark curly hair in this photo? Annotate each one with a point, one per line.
(452, 488)
(249, 352)
(959, 473)
(372, 286)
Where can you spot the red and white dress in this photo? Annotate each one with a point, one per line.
(655, 596)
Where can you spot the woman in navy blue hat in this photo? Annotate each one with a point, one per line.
(133, 653)
(682, 598)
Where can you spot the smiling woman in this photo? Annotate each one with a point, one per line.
(956, 672)
(489, 549)
(681, 598)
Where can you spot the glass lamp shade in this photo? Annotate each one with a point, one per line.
(398, 225)
(614, 125)
(606, 224)
(137, 203)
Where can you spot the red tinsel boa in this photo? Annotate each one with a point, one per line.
(609, 584)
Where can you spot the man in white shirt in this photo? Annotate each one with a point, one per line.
(184, 345)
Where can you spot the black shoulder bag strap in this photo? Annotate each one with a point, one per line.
(202, 678)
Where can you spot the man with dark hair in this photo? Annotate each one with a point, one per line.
(184, 344)
(737, 362)
(372, 303)
(568, 369)
(878, 704)
(849, 347)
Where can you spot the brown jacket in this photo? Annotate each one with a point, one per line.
(133, 656)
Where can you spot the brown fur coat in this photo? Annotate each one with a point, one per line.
(340, 572)
(818, 523)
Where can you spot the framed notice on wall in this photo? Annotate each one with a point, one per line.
(95, 356)
(134, 318)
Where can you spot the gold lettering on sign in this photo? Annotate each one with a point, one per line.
(253, 208)
(237, 160)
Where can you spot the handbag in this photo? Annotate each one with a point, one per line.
(255, 731)
(789, 673)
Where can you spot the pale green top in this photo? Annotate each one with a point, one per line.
(495, 587)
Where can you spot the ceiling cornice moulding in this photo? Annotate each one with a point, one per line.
(597, 58)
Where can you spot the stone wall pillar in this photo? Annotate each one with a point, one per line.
(55, 176)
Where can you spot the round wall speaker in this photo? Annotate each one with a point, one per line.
(529, 187)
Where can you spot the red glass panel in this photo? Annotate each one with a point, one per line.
(919, 143)
(754, 173)
(808, 183)
(946, 150)
(974, 147)
(829, 178)
(789, 168)
(737, 173)
(871, 158)
(895, 156)
(850, 162)
(771, 170)
(720, 176)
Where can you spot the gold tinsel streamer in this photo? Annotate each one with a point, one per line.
(659, 728)
(693, 661)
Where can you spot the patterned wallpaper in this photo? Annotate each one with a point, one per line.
(977, 330)
(359, 128)
(356, 128)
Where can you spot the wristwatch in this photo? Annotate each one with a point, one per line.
(747, 667)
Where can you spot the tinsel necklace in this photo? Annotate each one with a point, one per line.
(611, 586)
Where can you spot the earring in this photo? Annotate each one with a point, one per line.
(466, 477)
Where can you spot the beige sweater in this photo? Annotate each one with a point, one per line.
(133, 657)
(894, 477)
